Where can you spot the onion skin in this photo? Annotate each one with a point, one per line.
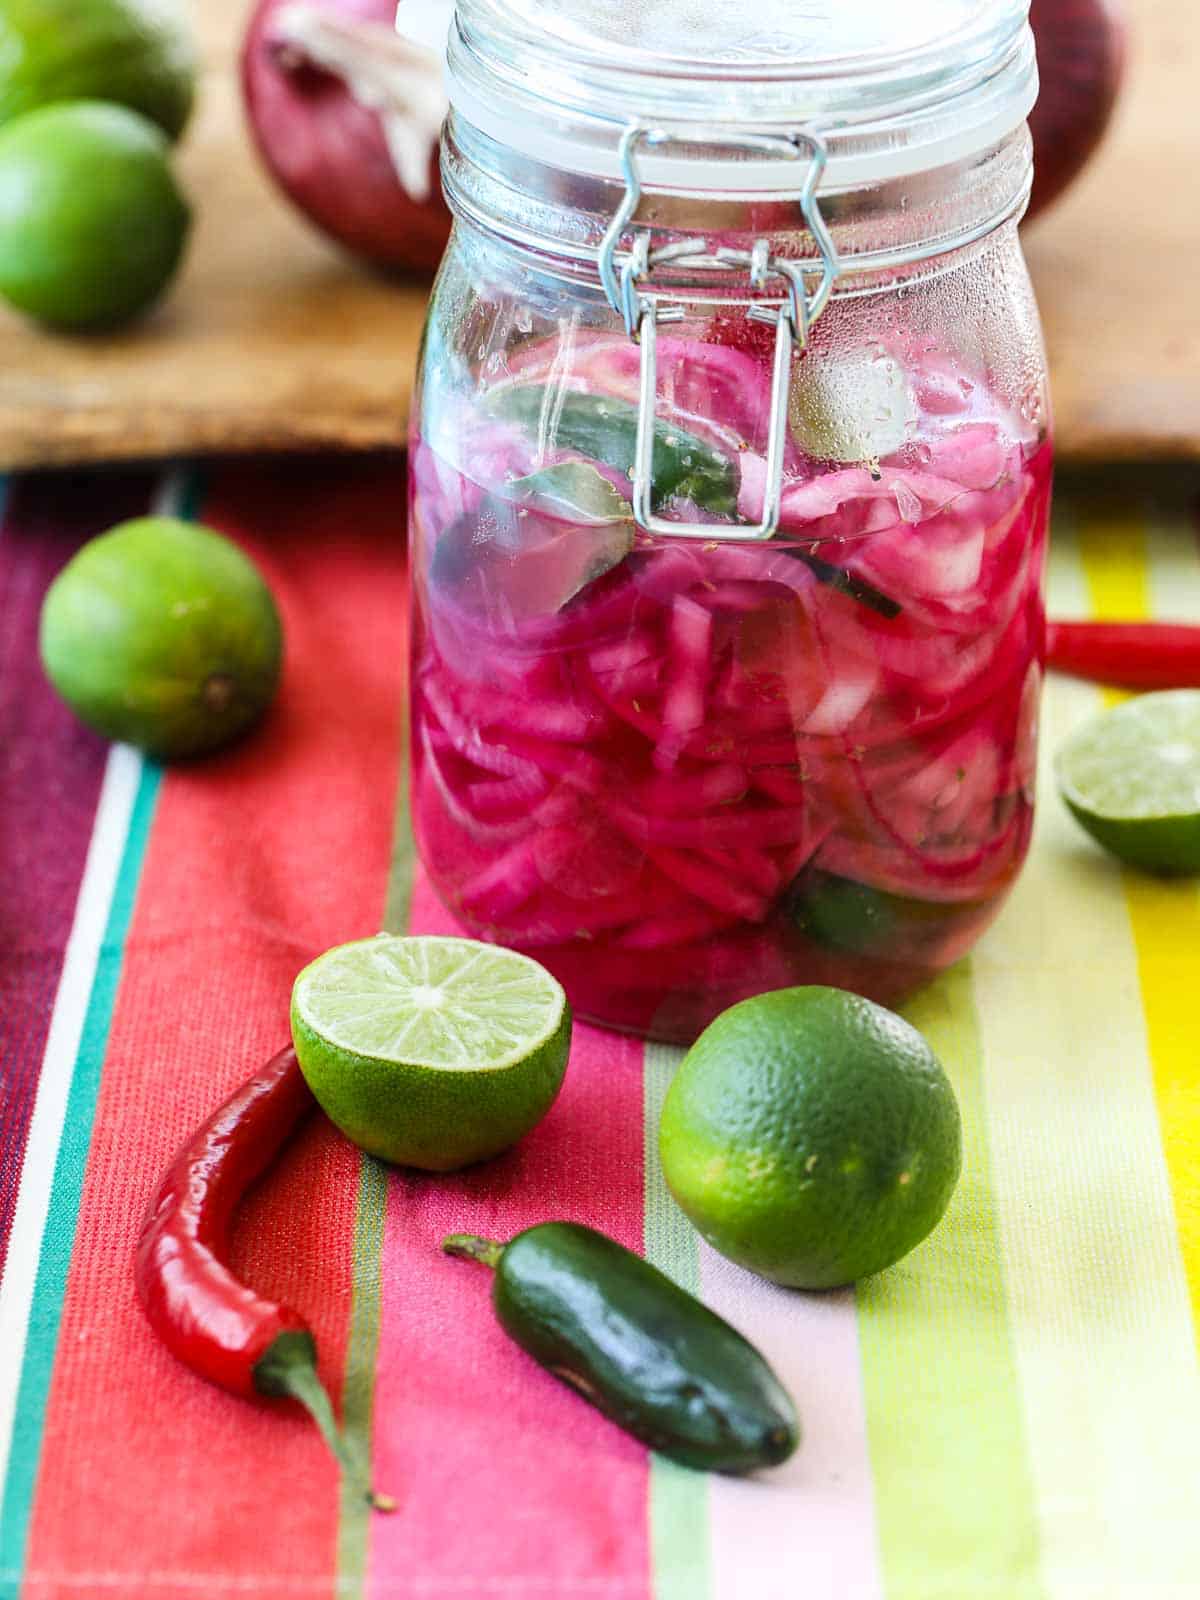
(1081, 63)
(327, 150)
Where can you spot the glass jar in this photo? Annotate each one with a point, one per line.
(730, 474)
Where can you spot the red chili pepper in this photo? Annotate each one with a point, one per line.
(1128, 655)
(208, 1319)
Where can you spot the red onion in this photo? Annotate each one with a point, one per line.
(346, 116)
(1081, 59)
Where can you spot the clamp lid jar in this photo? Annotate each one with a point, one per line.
(730, 472)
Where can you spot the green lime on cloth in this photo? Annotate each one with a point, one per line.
(811, 1136)
(163, 634)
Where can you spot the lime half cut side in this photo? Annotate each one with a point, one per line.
(431, 1051)
(1131, 777)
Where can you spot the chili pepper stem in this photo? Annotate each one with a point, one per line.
(473, 1248)
(289, 1368)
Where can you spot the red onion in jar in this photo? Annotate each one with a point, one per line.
(346, 116)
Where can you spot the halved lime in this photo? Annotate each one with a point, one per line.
(1131, 777)
(431, 1051)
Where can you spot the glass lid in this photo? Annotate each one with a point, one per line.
(892, 86)
(781, 35)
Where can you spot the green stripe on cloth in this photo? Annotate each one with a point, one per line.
(59, 1239)
(679, 1520)
(1095, 1283)
(400, 877)
(955, 1509)
(358, 1390)
(1096, 1287)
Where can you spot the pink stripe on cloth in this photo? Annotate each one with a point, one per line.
(507, 1482)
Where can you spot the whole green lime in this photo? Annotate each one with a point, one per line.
(811, 1136)
(92, 223)
(136, 53)
(429, 1050)
(163, 634)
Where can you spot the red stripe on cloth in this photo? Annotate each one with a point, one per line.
(152, 1481)
(51, 767)
(508, 1482)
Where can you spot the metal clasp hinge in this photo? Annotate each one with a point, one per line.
(642, 315)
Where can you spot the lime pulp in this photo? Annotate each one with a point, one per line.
(1131, 777)
(428, 1050)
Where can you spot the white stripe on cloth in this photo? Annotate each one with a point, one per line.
(806, 1528)
(110, 828)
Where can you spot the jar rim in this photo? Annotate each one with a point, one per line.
(936, 82)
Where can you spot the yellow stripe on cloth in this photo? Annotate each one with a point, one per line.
(1164, 913)
(1098, 1299)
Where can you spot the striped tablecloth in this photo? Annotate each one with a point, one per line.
(1011, 1414)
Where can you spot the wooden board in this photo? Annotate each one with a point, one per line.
(273, 340)
(1115, 263)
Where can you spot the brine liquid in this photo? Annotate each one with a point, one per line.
(683, 772)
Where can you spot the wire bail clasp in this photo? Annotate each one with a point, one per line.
(642, 314)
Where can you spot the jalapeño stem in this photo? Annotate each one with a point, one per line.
(473, 1248)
